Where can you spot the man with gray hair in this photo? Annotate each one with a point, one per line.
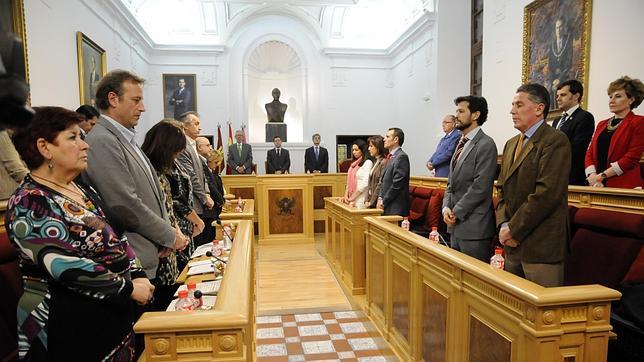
(532, 213)
(193, 164)
(240, 155)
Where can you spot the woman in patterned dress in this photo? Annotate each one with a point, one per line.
(156, 143)
(81, 278)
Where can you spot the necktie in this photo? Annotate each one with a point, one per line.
(317, 153)
(519, 147)
(564, 118)
(239, 149)
(388, 156)
(459, 150)
(278, 153)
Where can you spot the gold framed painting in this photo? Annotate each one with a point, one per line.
(179, 94)
(556, 44)
(92, 67)
(12, 13)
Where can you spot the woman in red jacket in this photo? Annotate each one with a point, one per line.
(613, 157)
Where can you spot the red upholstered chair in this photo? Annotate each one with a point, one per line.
(344, 165)
(10, 290)
(604, 247)
(418, 204)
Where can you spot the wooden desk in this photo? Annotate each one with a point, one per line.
(433, 303)
(345, 243)
(229, 213)
(225, 333)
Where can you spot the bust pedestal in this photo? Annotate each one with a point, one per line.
(275, 129)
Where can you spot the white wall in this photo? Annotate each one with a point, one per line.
(51, 44)
(616, 48)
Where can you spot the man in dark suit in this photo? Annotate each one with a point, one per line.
(181, 99)
(240, 155)
(440, 160)
(124, 176)
(532, 213)
(278, 160)
(394, 189)
(316, 157)
(467, 205)
(577, 124)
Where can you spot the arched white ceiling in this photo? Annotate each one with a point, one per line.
(273, 57)
(366, 24)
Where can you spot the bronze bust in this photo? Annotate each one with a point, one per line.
(275, 110)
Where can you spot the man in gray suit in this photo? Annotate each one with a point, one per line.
(240, 155)
(467, 205)
(124, 176)
(193, 163)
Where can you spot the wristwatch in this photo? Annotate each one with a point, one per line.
(603, 175)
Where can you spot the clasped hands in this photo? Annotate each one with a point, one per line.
(595, 180)
(180, 243)
(449, 217)
(348, 201)
(142, 291)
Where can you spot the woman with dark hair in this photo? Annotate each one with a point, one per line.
(81, 278)
(358, 175)
(162, 145)
(615, 150)
(378, 152)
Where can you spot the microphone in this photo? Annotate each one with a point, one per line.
(223, 229)
(210, 254)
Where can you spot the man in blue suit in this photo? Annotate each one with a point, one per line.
(439, 162)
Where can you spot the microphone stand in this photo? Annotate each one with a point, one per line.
(223, 230)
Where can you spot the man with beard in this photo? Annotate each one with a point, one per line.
(467, 205)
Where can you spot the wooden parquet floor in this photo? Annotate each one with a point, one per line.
(295, 278)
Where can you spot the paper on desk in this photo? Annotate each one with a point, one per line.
(202, 250)
(207, 288)
(201, 269)
(200, 262)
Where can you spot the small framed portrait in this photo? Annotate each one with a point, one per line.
(556, 44)
(179, 94)
(12, 19)
(92, 66)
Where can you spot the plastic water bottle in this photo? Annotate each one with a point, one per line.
(497, 260)
(228, 243)
(434, 235)
(184, 303)
(216, 248)
(405, 223)
(192, 287)
(198, 299)
(240, 205)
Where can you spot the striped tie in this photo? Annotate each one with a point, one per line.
(459, 150)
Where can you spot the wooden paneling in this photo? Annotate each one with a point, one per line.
(346, 249)
(433, 324)
(319, 193)
(286, 211)
(486, 345)
(441, 305)
(243, 192)
(319, 226)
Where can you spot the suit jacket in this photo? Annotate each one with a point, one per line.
(533, 195)
(246, 158)
(191, 162)
(320, 164)
(626, 148)
(185, 103)
(375, 178)
(444, 151)
(394, 186)
(216, 192)
(274, 163)
(469, 189)
(135, 198)
(579, 128)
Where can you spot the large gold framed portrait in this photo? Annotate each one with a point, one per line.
(12, 18)
(556, 44)
(92, 67)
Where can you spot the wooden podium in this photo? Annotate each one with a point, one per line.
(285, 208)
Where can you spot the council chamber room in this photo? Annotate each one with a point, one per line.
(338, 180)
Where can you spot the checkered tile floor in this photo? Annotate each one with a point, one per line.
(333, 336)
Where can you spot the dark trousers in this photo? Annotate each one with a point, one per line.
(208, 233)
(480, 249)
